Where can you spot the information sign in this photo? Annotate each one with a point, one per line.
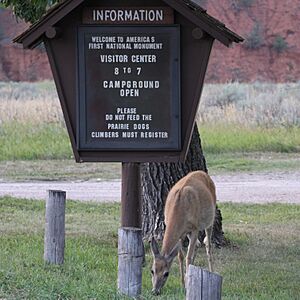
(129, 88)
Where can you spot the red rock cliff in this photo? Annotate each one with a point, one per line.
(17, 64)
(271, 51)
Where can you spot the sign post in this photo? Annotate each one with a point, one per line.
(131, 205)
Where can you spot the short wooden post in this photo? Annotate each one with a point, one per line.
(203, 285)
(131, 254)
(54, 242)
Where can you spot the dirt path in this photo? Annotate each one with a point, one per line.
(246, 188)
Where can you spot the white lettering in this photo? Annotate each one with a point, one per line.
(143, 58)
(127, 84)
(126, 110)
(104, 134)
(113, 15)
(113, 58)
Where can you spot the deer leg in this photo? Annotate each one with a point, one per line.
(208, 247)
(180, 260)
(193, 237)
(197, 245)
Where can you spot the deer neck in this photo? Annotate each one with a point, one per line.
(171, 238)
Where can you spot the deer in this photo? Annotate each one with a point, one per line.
(190, 207)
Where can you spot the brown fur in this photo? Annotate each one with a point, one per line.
(190, 207)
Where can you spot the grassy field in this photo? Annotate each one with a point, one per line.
(251, 162)
(68, 169)
(262, 260)
(232, 117)
(33, 141)
(51, 141)
(231, 138)
(243, 128)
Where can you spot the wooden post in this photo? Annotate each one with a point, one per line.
(203, 285)
(131, 195)
(131, 255)
(54, 242)
(131, 248)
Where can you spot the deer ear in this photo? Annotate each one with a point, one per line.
(154, 247)
(174, 252)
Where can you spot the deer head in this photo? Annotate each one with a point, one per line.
(161, 266)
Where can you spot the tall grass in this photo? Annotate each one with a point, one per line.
(34, 103)
(251, 105)
(31, 122)
(232, 117)
(33, 141)
(218, 138)
(241, 117)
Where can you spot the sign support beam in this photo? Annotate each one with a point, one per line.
(131, 196)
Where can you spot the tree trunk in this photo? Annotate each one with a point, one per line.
(158, 179)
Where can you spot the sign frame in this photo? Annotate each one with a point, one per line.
(58, 30)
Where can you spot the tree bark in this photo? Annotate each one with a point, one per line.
(158, 179)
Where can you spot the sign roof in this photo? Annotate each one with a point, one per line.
(195, 13)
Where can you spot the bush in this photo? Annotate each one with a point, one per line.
(254, 40)
(240, 4)
(279, 44)
(1, 32)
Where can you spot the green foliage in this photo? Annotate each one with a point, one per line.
(279, 44)
(28, 10)
(254, 40)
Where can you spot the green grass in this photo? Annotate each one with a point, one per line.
(262, 260)
(20, 141)
(29, 142)
(267, 253)
(252, 162)
(230, 138)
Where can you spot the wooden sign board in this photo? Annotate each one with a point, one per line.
(128, 84)
(129, 74)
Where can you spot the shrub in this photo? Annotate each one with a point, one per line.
(1, 32)
(257, 104)
(238, 5)
(279, 44)
(254, 40)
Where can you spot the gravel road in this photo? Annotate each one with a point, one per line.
(246, 188)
